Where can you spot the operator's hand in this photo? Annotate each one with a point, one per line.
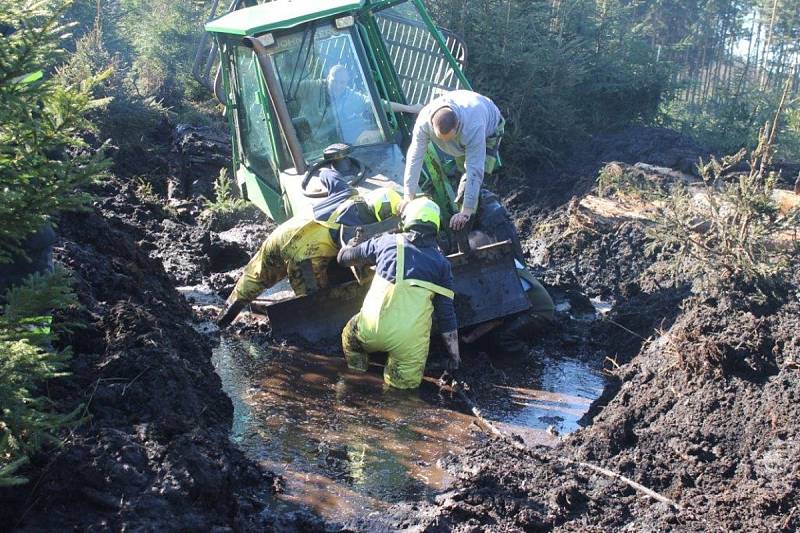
(459, 221)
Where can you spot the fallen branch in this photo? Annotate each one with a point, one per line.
(623, 328)
(458, 388)
(638, 486)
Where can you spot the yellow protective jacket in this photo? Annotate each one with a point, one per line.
(396, 318)
(283, 252)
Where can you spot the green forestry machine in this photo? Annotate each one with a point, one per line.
(265, 56)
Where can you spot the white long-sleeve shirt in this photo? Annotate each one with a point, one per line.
(477, 118)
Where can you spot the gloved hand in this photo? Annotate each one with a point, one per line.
(450, 339)
(229, 313)
(358, 238)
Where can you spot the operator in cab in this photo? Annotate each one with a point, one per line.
(413, 283)
(303, 248)
(469, 127)
(336, 112)
(339, 109)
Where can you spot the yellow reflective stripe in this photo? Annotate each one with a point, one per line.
(401, 267)
(401, 259)
(331, 222)
(329, 225)
(447, 293)
(338, 211)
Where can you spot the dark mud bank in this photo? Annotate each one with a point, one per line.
(703, 410)
(704, 413)
(153, 452)
(706, 416)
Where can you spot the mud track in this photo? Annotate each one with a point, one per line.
(705, 412)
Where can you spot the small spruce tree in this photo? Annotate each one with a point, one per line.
(44, 155)
(45, 159)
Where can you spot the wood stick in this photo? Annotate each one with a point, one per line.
(489, 427)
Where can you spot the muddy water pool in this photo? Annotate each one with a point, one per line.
(348, 447)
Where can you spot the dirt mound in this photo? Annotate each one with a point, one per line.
(704, 413)
(153, 452)
(606, 262)
(193, 245)
(717, 436)
(706, 416)
(501, 488)
(545, 189)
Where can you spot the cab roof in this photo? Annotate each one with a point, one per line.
(278, 14)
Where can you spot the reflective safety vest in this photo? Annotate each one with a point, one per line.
(397, 318)
(331, 223)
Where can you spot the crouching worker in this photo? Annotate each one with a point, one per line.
(413, 281)
(303, 248)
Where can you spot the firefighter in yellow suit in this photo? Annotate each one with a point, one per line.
(302, 248)
(413, 282)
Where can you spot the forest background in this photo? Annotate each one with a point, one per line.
(559, 69)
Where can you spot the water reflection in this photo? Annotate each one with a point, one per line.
(347, 446)
(554, 393)
(343, 442)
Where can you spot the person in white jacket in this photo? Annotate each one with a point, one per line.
(469, 127)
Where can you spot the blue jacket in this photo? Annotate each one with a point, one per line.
(424, 261)
(338, 191)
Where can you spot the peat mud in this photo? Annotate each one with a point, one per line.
(152, 451)
(193, 244)
(706, 416)
(702, 406)
(545, 189)
(703, 410)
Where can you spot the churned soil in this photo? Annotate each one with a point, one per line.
(703, 407)
(707, 416)
(545, 189)
(152, 449)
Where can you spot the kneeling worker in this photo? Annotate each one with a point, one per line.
(413, 281)
(303, 248)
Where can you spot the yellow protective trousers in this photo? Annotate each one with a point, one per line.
(395, 318)
(293, 242)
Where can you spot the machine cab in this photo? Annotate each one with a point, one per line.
(297, 77)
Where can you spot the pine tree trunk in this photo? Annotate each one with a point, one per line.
(767, 45)
(746, 70)
(757, 59)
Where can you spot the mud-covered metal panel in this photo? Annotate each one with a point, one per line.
(485, 281)
(318, 316)
(486, 284)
